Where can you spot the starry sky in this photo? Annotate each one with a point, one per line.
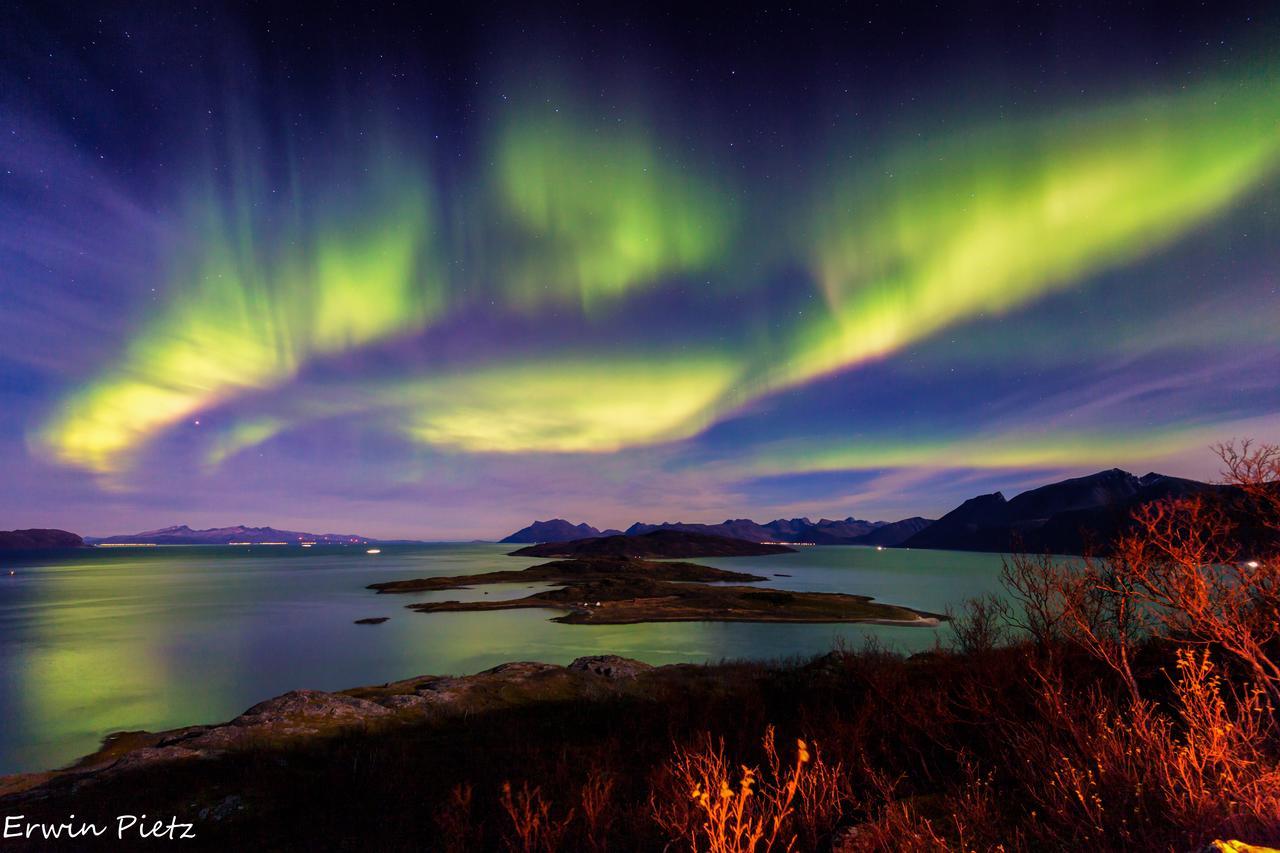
(423, 272)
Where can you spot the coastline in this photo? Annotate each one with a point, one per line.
(299, 717)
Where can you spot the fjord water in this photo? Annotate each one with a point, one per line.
(93, 642)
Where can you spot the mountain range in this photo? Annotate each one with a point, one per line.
(555, 530)
(848, 531)
(183, 535)
(1068, 517)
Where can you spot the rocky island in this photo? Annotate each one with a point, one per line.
(605, 586)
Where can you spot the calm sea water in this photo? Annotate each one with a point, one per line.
(153, 638)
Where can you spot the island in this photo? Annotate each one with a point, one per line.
(610, 591)
(38, 539)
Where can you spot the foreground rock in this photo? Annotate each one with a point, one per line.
(301, 715)
(610, 666)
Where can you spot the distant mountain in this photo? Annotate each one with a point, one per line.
(1068, 517)
(183, 535)
(823, 532)
(656, 543)
(556, 530)
(895, 533)
(38, 539)
(848, 531)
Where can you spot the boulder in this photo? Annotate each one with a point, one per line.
(610, 666)
(309, 704)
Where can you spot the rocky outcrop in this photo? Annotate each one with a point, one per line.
(316, 713)
(307, 706)
(610, 666)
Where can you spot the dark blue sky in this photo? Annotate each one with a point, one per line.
(425, 273)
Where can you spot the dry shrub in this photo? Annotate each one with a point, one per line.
(454, 820)
(1255, 470)
(1034, 582)
(897, 827)
(1221, 769)
(1184, 563)
(532, 826)
(1118, 777)
(704, 803)
(966, 817)
(596, 800)
(980, 625)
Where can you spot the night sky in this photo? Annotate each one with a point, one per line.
(436, 274)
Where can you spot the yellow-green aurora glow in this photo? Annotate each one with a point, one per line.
(988, 221)
(929, 236)
(600, 211)
(245, 314)
(581, 405)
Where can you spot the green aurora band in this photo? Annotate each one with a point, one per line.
(247, 312)
(928, 237)
(596, 212)
(986, 222)
(581, 405)
(1011, 449)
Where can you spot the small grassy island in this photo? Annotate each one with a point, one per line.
(608, 591)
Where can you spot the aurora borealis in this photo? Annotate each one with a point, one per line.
(435, 277)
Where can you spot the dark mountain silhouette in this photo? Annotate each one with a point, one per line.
(556, 530)
(848, 531)
(1070, 517)
(823, 532)
(656, 543)
(38, 539)
(894, 533)
(183, 535)
(838, 532)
